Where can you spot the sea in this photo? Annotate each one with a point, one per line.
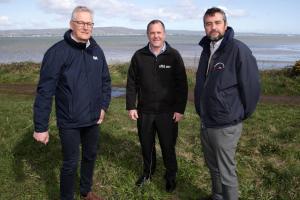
(272, 51)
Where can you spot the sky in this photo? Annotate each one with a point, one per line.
(255, 16)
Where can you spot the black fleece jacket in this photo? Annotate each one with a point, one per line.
(157, 84)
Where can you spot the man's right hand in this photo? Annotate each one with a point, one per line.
(133, 114)
(42, 137)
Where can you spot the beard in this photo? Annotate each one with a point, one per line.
(215, 38)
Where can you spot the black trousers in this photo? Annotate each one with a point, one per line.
(167, 131)
(70, 140)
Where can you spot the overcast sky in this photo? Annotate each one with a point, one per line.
(261, 16)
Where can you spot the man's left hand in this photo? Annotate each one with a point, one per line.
(177, 116)
(101, 118)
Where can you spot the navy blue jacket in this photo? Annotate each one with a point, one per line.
(231, 90)
(79, 79)
(159, 84)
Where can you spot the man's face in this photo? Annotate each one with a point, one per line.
(156, 35)
(82, 26)
(215, 26)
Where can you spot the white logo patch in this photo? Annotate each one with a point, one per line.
(164, 66)
(95, 58)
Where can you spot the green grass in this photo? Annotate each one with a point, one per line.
(268, 156)
(118, 73)
(22, 72)
(273, 82)
(268, 153)
(280, 82)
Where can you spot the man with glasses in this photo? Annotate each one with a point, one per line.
(75, 71)
(226, 93)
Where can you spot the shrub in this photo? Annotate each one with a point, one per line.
(296, 69)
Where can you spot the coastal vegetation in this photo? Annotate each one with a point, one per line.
(268, 153)
(274, 82)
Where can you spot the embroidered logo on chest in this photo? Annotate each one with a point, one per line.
(164, 66)
(219, 66)
(95, 58)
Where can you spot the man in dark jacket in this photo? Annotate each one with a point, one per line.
(74, 70)
(157, 81)
(226, 93)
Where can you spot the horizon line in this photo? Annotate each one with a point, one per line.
(136, 29)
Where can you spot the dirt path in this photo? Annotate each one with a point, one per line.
(29, 89)
(25, 89)
(288, 100)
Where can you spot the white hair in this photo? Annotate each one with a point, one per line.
(81, 9)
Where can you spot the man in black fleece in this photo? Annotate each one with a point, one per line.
(74, 70)
(226, 93)
(157, 82)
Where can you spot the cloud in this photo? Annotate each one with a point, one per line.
(61, 7)
(188, 9)
(184, 9)
(125, 9)
(4, 21)
(118, 8)
(233, 12)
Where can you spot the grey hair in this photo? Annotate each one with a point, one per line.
(81, 9)
(212, 11)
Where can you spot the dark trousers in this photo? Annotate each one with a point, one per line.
(167, 131)
(70, 142)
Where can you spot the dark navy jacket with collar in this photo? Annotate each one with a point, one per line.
(230, 91)
(79, 79)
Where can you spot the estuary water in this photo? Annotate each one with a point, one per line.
(271, 51)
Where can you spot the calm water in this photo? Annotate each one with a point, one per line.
(271, 51)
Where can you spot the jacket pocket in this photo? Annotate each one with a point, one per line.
(217, 109)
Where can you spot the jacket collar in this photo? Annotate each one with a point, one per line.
(78, 45)
(229, 34)
(146, 49)
(163, 49)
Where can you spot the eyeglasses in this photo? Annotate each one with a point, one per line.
(82, 24)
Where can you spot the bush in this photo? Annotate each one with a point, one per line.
(296, 69)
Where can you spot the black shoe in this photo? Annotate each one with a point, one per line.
(170, 185)
(142, 180)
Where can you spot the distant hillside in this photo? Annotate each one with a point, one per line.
(98, 31)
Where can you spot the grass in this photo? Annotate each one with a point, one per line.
(268, 156)
(21, 72)
(268, 153)
(273, 82)
(280, 82)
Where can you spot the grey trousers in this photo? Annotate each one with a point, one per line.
(219, 147)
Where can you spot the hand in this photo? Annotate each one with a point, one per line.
(42, 137)
(101, 118)
(177, 116)
(133, 114)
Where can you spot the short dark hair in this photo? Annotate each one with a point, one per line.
(212, 11)
(155, 21)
